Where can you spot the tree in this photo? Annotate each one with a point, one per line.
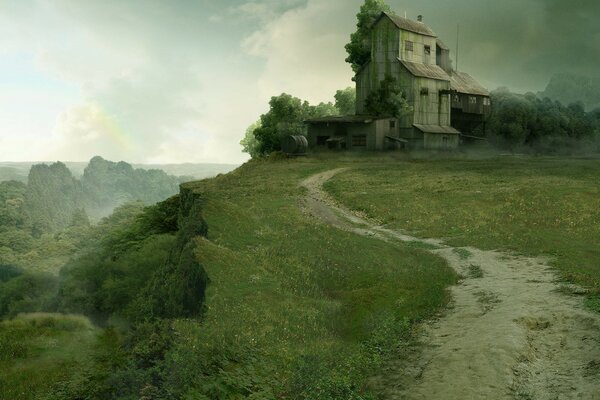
(359, 50)
(345, 101)
(249, 143)
(285, 117)
(388, 100)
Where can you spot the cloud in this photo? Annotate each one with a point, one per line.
(304, 51)
(258, 10)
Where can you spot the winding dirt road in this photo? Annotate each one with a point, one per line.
(510, 332)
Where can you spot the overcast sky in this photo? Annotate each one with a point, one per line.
(180, 80)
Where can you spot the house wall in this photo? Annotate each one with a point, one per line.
(346, 130)
(443, 59)
(417, 55)
(436, 141)
(431, 108)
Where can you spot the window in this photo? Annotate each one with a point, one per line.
(359, 141)
(408, 45)
(425, 91)
(486, 101)
(322, 140)
(472, 100)
(427, 50)
(456, 98)
(392, 124)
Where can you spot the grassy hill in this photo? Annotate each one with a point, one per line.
(298, 309)
(318, 308)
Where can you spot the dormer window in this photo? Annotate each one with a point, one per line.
(427, 50)
(408, 45)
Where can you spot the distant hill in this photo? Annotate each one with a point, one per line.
(18, 171)
(107, 184)
(571, 88)
(55, 192)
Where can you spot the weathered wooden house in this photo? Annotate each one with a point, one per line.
(444, 104)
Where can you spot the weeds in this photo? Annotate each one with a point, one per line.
(463, 254)
(475, 271)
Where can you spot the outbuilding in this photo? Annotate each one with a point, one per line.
(354, 132)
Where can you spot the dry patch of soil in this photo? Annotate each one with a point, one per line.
(511, 332)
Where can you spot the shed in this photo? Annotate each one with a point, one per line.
(352, 132)
(438, 137)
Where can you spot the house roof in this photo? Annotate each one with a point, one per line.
(441, 44)
(425, 70)
(464, 83)
(348, 119)
(408, 24)
(448, 130)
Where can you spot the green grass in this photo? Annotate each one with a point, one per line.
(39, 350)
(534, 206)
(463, 254)
(288, 288)
(475, 271)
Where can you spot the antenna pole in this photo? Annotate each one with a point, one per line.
(457, 38)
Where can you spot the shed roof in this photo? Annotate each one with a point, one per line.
(436, 129)
(348, 119)
(464, 83)
(408, 24)
(425, 70)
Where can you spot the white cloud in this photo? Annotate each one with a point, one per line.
(304, 50)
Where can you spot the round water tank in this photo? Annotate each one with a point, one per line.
(294, 145)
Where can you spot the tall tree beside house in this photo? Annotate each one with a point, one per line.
(359, 48)
(345, 101)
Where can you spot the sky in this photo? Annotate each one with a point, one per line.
(173, 81)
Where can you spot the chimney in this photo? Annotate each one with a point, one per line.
(420, 18)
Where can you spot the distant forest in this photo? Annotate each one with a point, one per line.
(43, 221)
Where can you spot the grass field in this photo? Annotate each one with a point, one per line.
(534, 206)
(298, 309)
(287, 288)
(39, 350)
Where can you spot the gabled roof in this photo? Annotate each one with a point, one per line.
(448, 130)
(464, 83)
(407, 24)
(425, 70)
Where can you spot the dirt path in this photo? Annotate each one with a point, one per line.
(510, 333)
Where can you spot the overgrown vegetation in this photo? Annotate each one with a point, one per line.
(359, 47)
(135, 278)
(388, 100)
